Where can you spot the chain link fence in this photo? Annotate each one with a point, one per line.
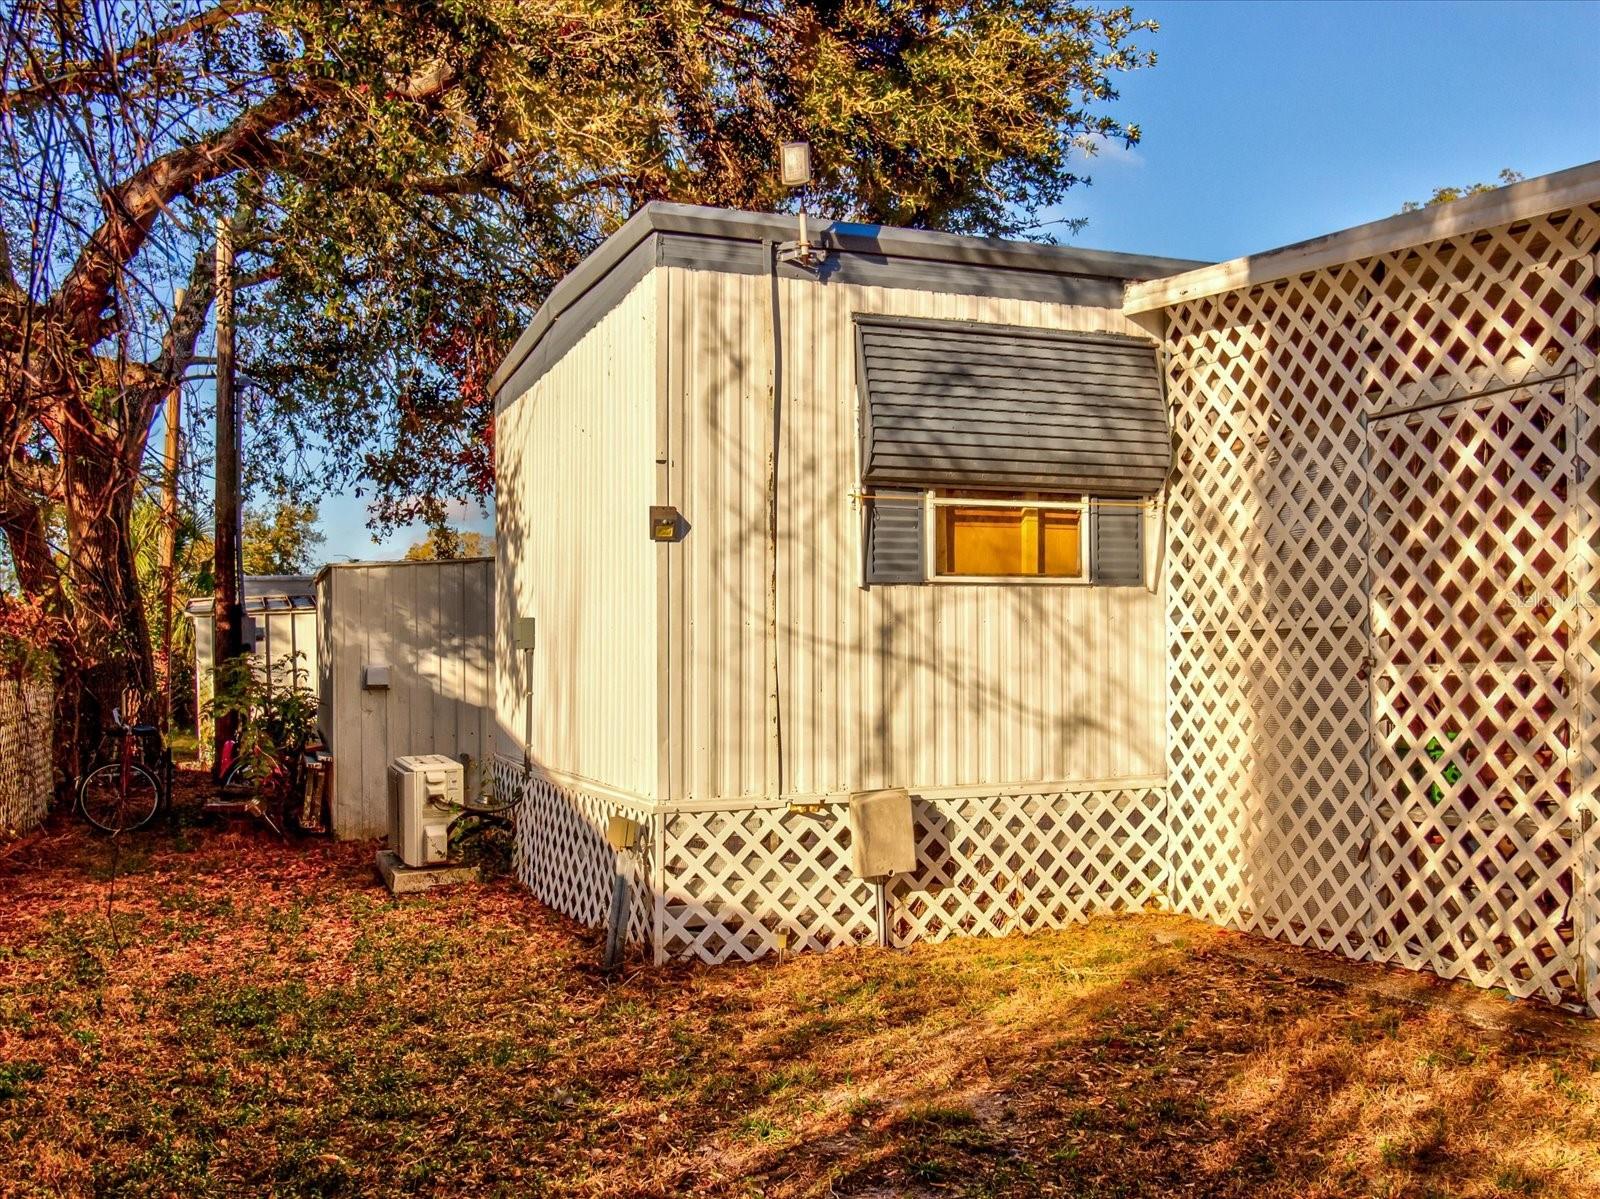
(26, 781)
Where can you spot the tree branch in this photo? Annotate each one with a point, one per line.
(90, 77)
(8, 271)
(189, 317)
(428, 83)
(132, 206)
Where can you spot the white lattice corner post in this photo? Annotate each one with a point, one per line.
(1586, 657)
(1491, 876)
(1266, 703)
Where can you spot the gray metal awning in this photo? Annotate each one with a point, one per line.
(1005, 407)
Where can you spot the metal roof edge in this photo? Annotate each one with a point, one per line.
(886, 241)
(1502, 206)
(573, 285)
(898, 242)
(366, 562)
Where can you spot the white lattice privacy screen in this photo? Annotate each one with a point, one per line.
(1380, 559)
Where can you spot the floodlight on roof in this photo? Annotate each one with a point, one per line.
(794, 170)
(794, 164)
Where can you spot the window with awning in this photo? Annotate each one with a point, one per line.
(1004, 452)
(961, 404)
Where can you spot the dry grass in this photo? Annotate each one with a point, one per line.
(255, 1018)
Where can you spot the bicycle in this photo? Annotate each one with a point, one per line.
(255, 781)
(125, 794)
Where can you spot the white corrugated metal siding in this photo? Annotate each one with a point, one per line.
(576, 475)
(944, 686)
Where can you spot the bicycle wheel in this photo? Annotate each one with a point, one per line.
(114, 805)
(250, 772)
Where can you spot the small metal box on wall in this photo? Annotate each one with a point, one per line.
(883, 836)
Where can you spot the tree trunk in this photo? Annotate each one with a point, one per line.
(108, 614)
(227, 610)
(169, 545)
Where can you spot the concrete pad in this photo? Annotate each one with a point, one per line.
(409, 880)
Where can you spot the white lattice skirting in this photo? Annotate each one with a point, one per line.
(561, 853)
(742, 884)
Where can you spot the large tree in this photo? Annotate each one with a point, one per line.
(282, 541)
(405, 182)
(444, 543)
(1446, 195)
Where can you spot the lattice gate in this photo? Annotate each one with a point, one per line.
(1474, 860)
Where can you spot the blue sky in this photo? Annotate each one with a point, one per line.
(1268, 123)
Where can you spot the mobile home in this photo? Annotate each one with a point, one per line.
(782, 523)
(1261, 591)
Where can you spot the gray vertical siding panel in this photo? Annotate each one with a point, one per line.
(958, 403)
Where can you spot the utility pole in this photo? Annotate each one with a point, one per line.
(169, 533)
(227, 609)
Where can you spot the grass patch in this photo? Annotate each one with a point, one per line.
(266, 1020)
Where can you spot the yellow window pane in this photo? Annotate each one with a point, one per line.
(1009, 542)
(982, 541)
(1061, 544)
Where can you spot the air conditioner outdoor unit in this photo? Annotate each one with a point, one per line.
(424, 797)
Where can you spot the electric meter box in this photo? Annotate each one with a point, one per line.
(425, 792)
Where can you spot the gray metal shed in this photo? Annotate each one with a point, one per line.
(406, 665)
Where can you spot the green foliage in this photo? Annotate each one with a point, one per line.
(282, 542)
(276, 718)
(485, 842)
(1444, 195)
(410, 243)
(447, 543)
(404, 183)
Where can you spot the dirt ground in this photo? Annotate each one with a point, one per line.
(206, 1011)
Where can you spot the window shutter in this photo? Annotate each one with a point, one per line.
(894, 540)
(1118, 546)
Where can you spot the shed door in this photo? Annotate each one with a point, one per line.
(1470, 511)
